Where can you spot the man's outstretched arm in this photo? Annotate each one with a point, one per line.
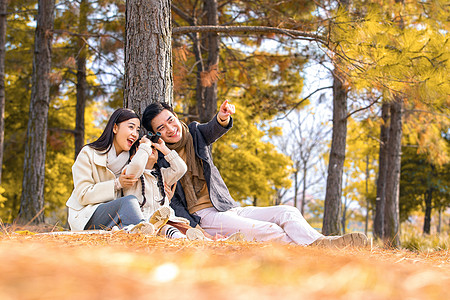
(219, 125)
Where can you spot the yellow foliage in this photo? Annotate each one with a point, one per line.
(2, 199)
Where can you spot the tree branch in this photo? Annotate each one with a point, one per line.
(296, 34)
(361, 109)
(303, 100)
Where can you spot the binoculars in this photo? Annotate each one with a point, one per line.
(154, 137)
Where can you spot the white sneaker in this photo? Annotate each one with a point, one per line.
(195, 234)
(354, 239)
(143, 228)
(160, 217)
(235, 237)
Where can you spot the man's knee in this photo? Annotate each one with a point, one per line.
(290, 209)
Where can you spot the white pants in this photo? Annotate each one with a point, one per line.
(280, 223)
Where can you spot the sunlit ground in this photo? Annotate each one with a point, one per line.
(133, 266)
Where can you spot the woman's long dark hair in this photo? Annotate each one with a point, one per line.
(105, 141)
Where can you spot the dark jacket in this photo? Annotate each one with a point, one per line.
(203, 136)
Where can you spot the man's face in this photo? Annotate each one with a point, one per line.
(168, 125)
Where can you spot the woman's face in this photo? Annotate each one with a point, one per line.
(126, 134)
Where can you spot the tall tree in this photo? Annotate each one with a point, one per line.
(207, 100)
(378, 226)
(392, 192)
(81, 86)
(331, 221)
(148, 54)
(333, 194)
(32, 198)
(3, 6)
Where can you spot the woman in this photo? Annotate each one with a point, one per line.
(99, 176)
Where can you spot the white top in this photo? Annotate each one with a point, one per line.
(152, 194)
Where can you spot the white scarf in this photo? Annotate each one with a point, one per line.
(115, 162)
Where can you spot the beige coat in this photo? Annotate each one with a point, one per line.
(93, 185)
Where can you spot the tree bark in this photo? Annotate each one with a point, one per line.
(148, 54)
(366, 227)
(305, 171)
(344, 217)
(428, 208)
(82, 87)
(378, 226)
(331, 224)
(344, 209)
(32, 198)
(438, 229)
(296, 186)
(3, 5)
(391, 212)
(207, 103)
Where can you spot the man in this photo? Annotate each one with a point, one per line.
(202, 196)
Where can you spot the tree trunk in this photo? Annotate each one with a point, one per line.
(296, 187)
(208, 107)
(148, 54)
(82, 87)
(32, 198)
(366, 227)
(199, 90)
(331, 224)
(3, 5)
(206, 95)
(344, 216)
(378, 226)
(439, 220)
(427, 218)
(302, 205)
(391, 215)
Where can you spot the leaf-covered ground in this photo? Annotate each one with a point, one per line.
(133, 266)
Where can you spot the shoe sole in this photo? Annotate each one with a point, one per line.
(235, 237)
(194, 234)
(354, 239)
(160, 217)
(143, 228)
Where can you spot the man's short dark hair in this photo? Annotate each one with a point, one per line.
(152, 111)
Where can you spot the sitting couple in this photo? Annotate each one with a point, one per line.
(104, 170)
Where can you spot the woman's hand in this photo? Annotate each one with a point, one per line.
(127, 181)
(170, 191)
(145, 140)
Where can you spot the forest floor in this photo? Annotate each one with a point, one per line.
(133, 266)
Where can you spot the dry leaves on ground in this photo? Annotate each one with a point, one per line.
(134, 266)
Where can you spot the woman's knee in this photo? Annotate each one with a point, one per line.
(129, 200)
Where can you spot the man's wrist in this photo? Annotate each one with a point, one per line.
(223, 122)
